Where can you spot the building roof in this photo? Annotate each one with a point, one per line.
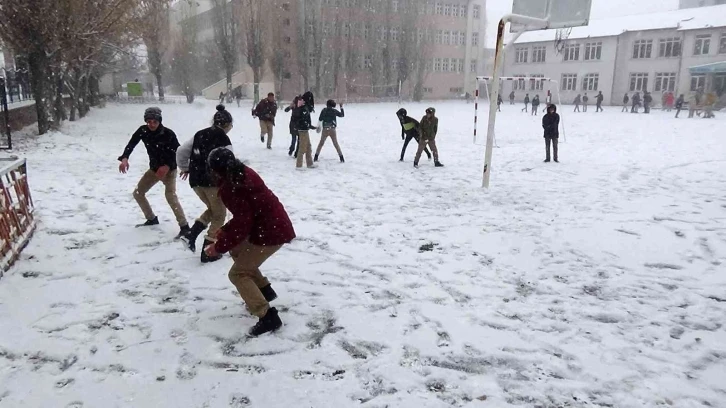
(687, 19)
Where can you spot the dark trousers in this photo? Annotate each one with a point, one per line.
(678, 111)
(577, 107)
(584, 107)
(553, 141)
(408, 140)
(293, 143)
(598, 108)
(534, 109)
(526, 108)
(646, 108)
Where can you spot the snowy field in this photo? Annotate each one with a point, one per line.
(596, 282)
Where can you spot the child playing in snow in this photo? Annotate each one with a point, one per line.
(329, 122)
(409, 128)
(429, 127)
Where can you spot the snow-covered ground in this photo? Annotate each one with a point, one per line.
(599, 281)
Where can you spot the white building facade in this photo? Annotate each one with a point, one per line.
(623, 55)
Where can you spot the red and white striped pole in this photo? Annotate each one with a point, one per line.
(476, 107)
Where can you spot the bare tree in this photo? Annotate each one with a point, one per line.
(184, 62)
(254, 25)
(225, 35)
(277, 56)
(154, 29)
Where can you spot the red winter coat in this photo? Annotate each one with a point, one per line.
(257, 215)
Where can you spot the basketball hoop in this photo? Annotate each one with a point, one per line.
(561, 39)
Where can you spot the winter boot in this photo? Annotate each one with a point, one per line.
(191, 237)
(415, 164)
(183, 231)
(315, 158)
(342, 159)
(148, 223)
(206, 258)
(438, 164)
(270, 322)
(268, 293)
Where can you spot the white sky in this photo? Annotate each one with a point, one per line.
(600, 9)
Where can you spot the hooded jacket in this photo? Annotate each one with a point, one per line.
(192, 156)
(551, 123)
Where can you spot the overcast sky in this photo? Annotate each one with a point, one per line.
(600, 9)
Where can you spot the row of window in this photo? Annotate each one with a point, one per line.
(642, 49)
(444, 9)
(446, 37)
(452, 65)
(664, 82)
(361, 30)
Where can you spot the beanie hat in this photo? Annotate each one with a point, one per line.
(431, 110)
(222, 117)
(152, 113)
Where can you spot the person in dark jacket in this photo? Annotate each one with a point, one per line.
(577, 102)
(303, 125)
(499, 102)
(191, 158)
(409, 130)
(266, 111)
(328, 121)
(293, 127)
(551, 125)
(259, 227)
(626, 99)
(585, 99)
(161, 144)
(679, 104)
(511, 98)
(526, 103)
(535, 105)
(636, 103)
(647, 100)
(429, 128)
(598, 102)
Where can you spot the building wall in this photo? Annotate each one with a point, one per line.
(699, 3)
(555, 67)
(690, 60)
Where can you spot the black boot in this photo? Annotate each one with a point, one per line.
(268, 293)
(342, 159)
(148, 223)
(315, 158)
(415, 164)
(206, 258)
(183, 231)
(270, 322)
(191, 237)
(438, 164)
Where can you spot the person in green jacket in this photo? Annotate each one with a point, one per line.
(328, 122)
(429, 128)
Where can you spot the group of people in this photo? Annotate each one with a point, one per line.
(584, 99)
(424, 132)
(259, 227)
(669, 102)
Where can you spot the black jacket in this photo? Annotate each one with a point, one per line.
(626, 99)
(409, 126)
(526, 100)
(647, 99)
(599, 98)
(585, 99)
(329, 117)
(192, 156)
(161, 146)
(303, 122)
(551, 124)
(535, 101)
(679, 102)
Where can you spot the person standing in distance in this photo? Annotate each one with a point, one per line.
(598, 102)
(191, 158)
(259, 227)
(161, 144)
(551, 125)
(266, 111)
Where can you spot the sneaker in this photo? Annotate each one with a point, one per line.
(415, 164)
(438, 164)
(547, 160)
(148, 223)
(268, 293)
(184, 230)
(268, 323)
(269, 147)
(557, 161)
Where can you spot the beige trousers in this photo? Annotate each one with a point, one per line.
(216, 211)
(149, 180)
(245, 274)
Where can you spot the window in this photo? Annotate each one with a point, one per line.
(518, 84)
(460, 65)
(286, 22)
(428, 90)
(394, 34)
(447, 9)
(366, 31)
(536, 84)
(638, 82)
(665, 81)
(311, 62)
(669, 47)
(438, 37)
(722, 44)
(445, 38)
(286, 6)
(475, 39)
(456, 90)
(394, 5)
(394, 66)
(462, 38)
(642, 49)
(698, 82)
(326, 29)
(572, 52)
(472, 66)
(476, 12)
(593, 51)
(437, 64)
(439, 8)
(590, 82)
(288, 40)
(703, 45)
(463, 11)
(520, 55)
(367, 61)
(446, 66)
(569, 82)
(539, 54)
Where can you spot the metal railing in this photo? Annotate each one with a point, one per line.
(17, 220)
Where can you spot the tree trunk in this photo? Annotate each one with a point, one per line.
(59, 109)
(83, 106)
(157, 74)
(256, 77)
(38, 67)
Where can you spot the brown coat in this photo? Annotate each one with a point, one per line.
(429, 127)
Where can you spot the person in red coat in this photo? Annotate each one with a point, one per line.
(258, 229)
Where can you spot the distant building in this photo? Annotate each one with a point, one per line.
(680, 51)
(684, 4)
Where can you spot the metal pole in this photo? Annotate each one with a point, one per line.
(476, 107)
(559, 102)
(6, 114)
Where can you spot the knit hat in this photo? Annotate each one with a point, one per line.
(152, 113)
(431, 110)
(222, 117)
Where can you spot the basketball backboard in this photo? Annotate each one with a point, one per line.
(558, 13)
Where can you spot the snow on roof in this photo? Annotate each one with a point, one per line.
(687, 19)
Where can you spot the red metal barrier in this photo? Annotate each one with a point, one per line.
(17, 221)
